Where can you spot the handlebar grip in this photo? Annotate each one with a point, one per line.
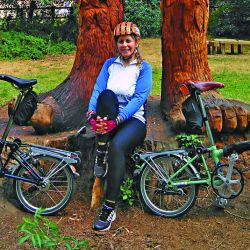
(238, 147)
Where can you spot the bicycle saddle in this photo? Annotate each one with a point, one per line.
(202, 86)
(20, 83)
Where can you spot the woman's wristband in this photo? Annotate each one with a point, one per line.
(118, 120)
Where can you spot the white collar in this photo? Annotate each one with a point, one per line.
(119, 60)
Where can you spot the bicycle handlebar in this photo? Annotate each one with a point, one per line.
(238, 147)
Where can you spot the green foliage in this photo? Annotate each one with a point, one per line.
(189, 141)
(41, 232)
(13, 45)
(230, 18)
(19, 45)
(127, 191)
(146, 14)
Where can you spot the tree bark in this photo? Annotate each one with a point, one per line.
(69, 100)
(184, 53)
(184, 50)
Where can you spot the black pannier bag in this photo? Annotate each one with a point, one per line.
(26, 108)
(192, 115)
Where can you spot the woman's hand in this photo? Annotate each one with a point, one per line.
(93, 124)
(104, 126)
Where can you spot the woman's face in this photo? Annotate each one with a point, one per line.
(126, 45)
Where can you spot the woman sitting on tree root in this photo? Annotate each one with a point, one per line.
(118, 117)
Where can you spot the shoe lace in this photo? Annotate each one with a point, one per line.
(101, 157)
(105, 214)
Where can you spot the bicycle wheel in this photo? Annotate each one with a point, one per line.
(57, 192)
(161, 198)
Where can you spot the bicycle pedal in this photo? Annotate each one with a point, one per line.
(220, 202)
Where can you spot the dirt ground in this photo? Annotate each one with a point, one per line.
(204, 227)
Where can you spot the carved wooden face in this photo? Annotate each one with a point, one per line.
(126, 45)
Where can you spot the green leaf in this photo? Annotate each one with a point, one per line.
(68, 246)
(67, 238)
(125, 197)
(39, 241)
(52, 225)
(46, 237)
(28, 221)
(27, 231)
(83, 243)
(22, 239)
(49, 244)
(33, 239)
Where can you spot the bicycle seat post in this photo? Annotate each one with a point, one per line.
(204, 117)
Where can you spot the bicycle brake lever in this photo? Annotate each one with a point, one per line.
(81, 131)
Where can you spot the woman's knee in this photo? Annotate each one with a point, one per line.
(107, 104)
(107, 94)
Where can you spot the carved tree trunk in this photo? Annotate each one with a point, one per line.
(184, 27)
(64, 106)
(184, 53)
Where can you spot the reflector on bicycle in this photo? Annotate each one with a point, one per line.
(184, 89)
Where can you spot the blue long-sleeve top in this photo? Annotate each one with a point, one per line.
(130, 83)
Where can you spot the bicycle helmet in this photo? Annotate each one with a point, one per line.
(126, 28)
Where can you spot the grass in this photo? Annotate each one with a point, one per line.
(49, 73)
(233, 70)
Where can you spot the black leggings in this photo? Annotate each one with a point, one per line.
(122, 140)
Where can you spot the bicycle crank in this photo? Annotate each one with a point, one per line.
(178, 191)
(226, 185)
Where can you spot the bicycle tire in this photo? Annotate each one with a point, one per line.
(153, 189)
(58, 192)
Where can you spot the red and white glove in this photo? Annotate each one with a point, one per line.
(109, 125)
(93, 123)
(102, 125)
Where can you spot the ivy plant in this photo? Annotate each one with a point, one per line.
(127, 191)
(189, 141)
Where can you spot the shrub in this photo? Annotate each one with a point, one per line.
(20, 45)
(189, 141)
(146, 14)
(62, 48)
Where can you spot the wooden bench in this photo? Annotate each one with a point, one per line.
(218, 46)
(212, 47)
